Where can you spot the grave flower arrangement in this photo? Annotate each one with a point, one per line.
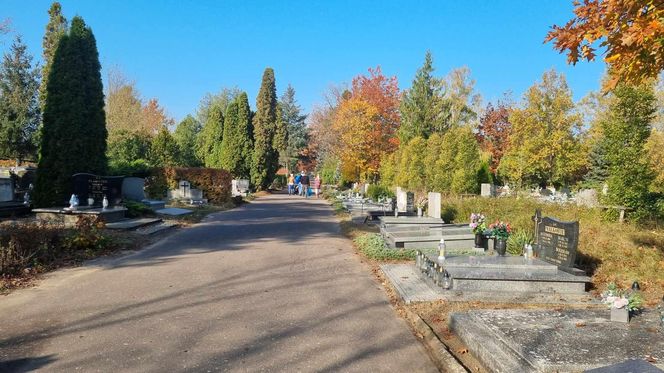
(500, 230)
(421, 202)
(617, 298)
(477, 223)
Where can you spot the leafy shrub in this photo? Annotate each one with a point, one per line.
(517, 240)
(25, 245)
(376, 192)
(87, 235)
(214, 182)
(136, 209)
(373, 246)
(137, 168)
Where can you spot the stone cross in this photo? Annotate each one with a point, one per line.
(184, 186)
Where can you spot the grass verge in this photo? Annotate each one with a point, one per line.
(373, 246)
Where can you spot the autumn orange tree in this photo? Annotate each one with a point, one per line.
(493, 133)
(365, 125)
(382, 93)
(631, 31)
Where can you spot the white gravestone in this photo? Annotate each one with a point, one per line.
(488, 190)
(239, 187)
(433, 209)
(402, 200)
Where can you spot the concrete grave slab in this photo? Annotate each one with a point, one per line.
(129, 224)
(174, 211)
(412, 287)
(556, 341)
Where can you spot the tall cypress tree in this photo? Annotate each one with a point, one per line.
(55, 29)
(236, 146)
(265, 157)
(19, 109)
(73, 137)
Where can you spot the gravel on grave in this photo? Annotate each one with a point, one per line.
(551, 340)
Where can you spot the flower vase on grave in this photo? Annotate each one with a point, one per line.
(500, 246)
(91, 201)
(619, 314)
(104, 203)
(479, 240)
(419, 212)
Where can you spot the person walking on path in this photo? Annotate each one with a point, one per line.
(304, 180)
(316, 185)
(298, 186)
(291, 184)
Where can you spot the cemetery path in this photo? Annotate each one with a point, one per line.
(269, 286)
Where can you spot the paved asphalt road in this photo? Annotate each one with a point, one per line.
(270, 286)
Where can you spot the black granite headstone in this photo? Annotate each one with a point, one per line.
(410, 202)
(93, 186)
(557, 241)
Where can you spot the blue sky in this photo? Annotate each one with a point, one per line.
(177, 51)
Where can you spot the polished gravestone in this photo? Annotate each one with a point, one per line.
(133, 189)
(629, 366)
(97, 187)
(556, 242)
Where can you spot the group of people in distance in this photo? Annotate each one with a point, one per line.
(302, 185)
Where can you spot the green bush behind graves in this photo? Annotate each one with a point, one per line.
(376, 192)
(373, 246)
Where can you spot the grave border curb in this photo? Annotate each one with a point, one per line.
(439, 353)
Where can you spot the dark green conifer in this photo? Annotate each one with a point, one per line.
(236, 146)
(73, 137)
(265, 157)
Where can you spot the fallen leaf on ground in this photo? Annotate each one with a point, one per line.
(462, 351)
(580, 324)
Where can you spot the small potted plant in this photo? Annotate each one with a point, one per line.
(500, 231)
(421, 203)
(478, 226)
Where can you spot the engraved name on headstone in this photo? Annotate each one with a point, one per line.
(97, 187)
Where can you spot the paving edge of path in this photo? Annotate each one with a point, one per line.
(439, 353)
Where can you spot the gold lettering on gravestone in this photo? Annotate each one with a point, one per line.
(98, 188)
(554, 230)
